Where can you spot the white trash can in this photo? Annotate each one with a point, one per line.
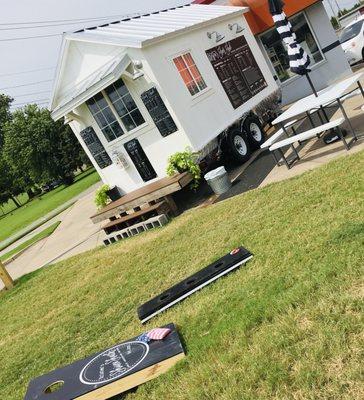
(218, 180)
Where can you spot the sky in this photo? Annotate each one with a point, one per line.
(40, 55)
(27, 66)
(342, 4)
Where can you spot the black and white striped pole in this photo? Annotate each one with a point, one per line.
(299, 61)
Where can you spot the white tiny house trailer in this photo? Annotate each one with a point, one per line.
(139, 90)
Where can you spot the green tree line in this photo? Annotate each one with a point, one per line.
(34, 150)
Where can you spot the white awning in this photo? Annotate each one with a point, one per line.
(91, 85)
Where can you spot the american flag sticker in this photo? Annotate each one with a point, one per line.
(158, 333)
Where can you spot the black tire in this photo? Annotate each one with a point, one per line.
(254, 131)
(237, 147)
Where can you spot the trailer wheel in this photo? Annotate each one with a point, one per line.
(237, 146)
(254, 131)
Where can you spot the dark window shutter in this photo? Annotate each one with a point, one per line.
(95, 147)
(159, 112)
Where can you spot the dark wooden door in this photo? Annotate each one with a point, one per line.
(140, 160)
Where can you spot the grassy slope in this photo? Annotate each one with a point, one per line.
(287, 326)
(39, 236)
(37, 208)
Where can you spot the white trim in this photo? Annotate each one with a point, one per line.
(67, 106)
(196, 289)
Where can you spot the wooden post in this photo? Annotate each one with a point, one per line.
(5, 277)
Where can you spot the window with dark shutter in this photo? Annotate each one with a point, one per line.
(159, 112)
(95, 147)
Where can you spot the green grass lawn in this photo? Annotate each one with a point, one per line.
(40, 206)
(39, 236)
(288, 325)
(10, 205)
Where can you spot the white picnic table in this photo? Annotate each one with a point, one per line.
(327, 96)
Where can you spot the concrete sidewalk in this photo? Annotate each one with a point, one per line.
(42, 223)
(75, 234)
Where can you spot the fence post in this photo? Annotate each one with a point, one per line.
(5, 277)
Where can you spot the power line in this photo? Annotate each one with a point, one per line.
(47, 26)
(26, 72)
(40, 101)
(26, 84)
(69, 20)
(32, 94)
(30, 37)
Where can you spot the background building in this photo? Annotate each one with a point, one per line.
(315, 34)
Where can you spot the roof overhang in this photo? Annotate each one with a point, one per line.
(156, 30)
(93, 84)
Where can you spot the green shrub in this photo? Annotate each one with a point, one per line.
(185, 161)
(101, 197)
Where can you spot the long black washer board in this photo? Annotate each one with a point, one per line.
(101, 372)
(176, 293)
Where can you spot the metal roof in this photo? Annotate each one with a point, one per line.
(146, 29)
(88, 87)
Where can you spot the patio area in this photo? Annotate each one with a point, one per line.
(316, 153)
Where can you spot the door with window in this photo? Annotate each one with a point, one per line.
(140, 160)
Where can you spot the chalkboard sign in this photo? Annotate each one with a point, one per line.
(95, 147)
(159, 112)
(140, 160)
(237, 70)
(110, 372)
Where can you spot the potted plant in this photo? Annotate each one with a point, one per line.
(185, 161)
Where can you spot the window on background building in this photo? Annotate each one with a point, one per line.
(104, 117)
(124, 105)
(277, 53)
(190, 73)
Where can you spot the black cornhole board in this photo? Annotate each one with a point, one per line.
(175, 294)
(110, 372)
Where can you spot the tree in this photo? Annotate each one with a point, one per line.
(9, 186)
(39, 148)
(5, 114)
(335, 23)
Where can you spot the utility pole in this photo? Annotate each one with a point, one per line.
(5, 277)
(332, 8)
(337, 5)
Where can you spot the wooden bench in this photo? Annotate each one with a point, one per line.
(306, 136)
(136, 217)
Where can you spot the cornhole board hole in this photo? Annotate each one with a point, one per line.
(109, 372)
(175, 294)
